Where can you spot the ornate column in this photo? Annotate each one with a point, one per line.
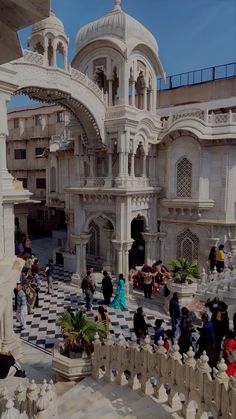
(80, 242)
(107, 266)
(145, 99)
(54, 55)
(144, 169)
(150, 247)
(118, 245)
(162, 239)
(110, 102)
(133, 93)
(126, 248)
(9, 341)
(45, 51)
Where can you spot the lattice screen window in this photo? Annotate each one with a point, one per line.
(187, 245)
(184, 178)
(93, 244)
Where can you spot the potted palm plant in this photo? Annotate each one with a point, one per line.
(72, 355)
(185, 274)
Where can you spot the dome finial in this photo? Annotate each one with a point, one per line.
(117, 5)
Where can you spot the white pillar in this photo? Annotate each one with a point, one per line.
(110, 102)
(133, 93)
(145, 99)
(132, 166)
(144, 170)
(110, 164)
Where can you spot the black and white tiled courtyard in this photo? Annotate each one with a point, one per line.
(42, 330)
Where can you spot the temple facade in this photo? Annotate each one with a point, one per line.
(140, 173)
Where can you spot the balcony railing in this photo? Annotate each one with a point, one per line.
(203, 75)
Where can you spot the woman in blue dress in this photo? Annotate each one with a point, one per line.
(119, 300)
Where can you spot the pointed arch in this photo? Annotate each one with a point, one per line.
(187, 245)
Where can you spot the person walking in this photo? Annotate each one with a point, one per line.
(88, 288)
(159, 331)
(140, 326)
(22, 311)
(212, 258)
(174, 310)
(186, 328)
(220, 258)
(102, 316)
(119, 300)
(206, 341)
(147, 284)
(107, 288)
(49, 270)
(220, 321)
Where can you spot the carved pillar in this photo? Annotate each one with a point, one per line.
(80, 242)
(110, 101)
(45, 52)
(144, 169)
(150, 247)
(107, 266)
(162, 239)
(118, 245)
(145, 99)
(9, 341)
(132, 174)
(54, 55)
(126, 248)
(65, 59)
(133, 93)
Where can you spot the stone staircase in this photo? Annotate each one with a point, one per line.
(92, 399)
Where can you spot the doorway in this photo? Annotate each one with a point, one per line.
(137, 252)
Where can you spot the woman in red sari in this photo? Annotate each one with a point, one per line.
(230, 353)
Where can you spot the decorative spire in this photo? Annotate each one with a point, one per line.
(117, 5)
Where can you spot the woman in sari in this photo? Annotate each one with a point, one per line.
(230, 353)
(119, 300)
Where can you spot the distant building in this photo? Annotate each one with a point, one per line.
(30, 130)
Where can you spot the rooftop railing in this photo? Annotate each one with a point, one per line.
(203, 75)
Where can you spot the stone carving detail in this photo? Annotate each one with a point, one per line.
(184, 178)
(186, 114)
(187, 245)
(31, 401)
(167, 376)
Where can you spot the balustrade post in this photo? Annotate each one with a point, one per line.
(133, 350)
(31, 399)
(221, 381)
(121, 344)
(11, 412)
(108, 345)
(147, 349)
(96, 357)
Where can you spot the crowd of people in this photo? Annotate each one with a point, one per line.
(218, 258)
(214, 336)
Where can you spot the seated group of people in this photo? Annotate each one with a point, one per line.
(149, 278)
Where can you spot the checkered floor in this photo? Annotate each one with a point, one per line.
(41, 328)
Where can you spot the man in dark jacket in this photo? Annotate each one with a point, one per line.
(107, 288)
(140, 326)
(88, 288)
(175, 316)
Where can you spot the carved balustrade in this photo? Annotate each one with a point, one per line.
(34, 401)
(188, 386)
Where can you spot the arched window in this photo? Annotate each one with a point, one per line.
(93, 244)
(187, 245)
(53, 179)
(184, 178)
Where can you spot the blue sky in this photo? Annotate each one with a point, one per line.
(191, 34)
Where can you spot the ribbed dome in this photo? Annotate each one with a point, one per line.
(119, 25)
(52, 22)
